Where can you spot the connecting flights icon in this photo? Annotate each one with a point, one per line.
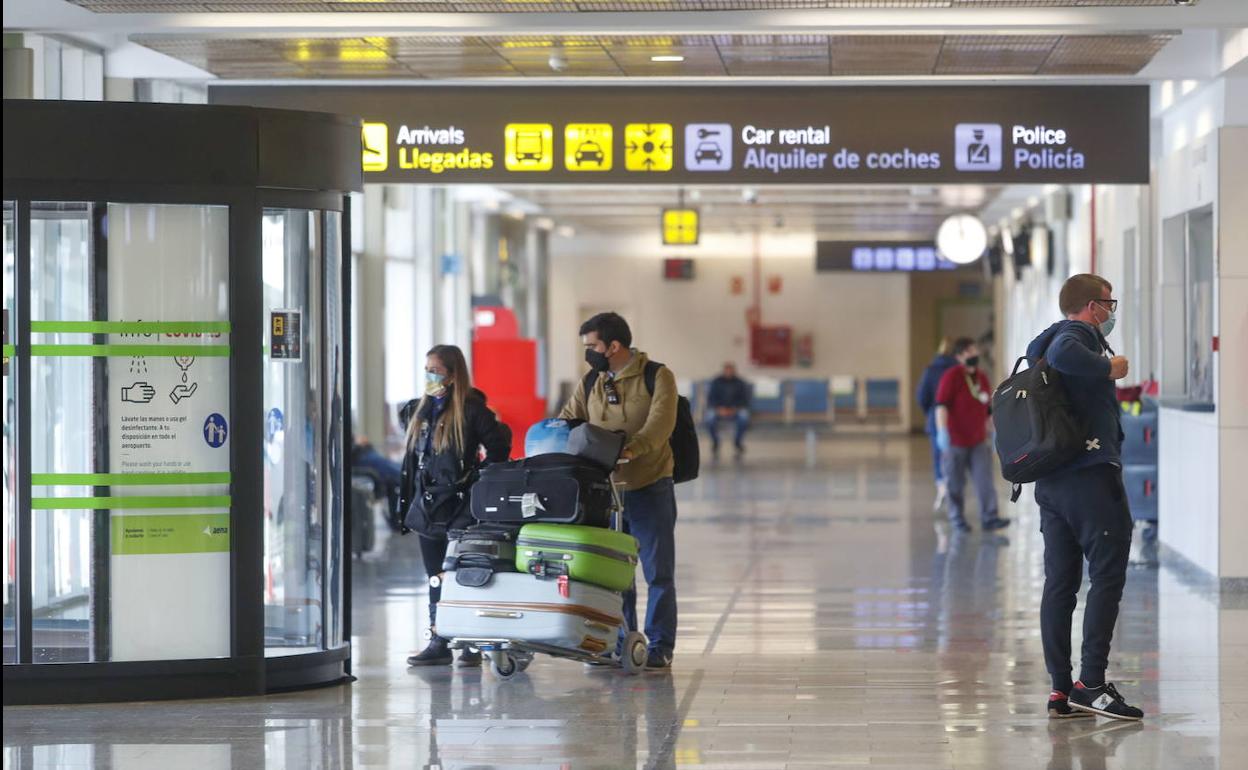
(648, 147)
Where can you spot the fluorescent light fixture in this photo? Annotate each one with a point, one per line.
(667, 58)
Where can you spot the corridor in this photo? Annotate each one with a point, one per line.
(825, 622)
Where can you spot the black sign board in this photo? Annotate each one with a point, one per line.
(880, 257)
(736, 134)
(286, 335)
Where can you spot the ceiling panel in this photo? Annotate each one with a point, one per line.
(582, 6)
(899, 211)
(704, 55)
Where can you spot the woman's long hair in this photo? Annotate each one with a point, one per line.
(449, 432)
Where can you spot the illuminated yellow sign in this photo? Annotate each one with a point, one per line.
(648, 147)
(375, 138)
(530, 147)
(680, 227)
(587, 146)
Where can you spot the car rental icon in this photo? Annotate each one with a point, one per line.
(708, 151)
(708, 147)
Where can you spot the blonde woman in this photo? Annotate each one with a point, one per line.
(446, 430)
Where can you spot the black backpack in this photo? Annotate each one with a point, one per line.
(686, 454)
(1037, 429)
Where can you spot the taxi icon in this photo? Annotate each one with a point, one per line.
(589, 152)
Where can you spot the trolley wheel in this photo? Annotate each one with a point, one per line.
(635, 653)
(504, 665)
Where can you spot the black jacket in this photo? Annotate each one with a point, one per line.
(730, 392)
(434, 490)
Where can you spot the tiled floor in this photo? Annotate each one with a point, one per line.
(826, 621)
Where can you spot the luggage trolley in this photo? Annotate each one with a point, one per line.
(509, 657)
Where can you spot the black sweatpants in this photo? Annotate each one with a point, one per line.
(433, 553)
(1083, 515)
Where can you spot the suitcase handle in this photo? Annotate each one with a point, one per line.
(544, 568)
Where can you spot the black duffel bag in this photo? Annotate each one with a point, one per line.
(551, 488)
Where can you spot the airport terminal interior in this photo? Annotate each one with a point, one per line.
(258, 253)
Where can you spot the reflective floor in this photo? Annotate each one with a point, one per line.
(827, 620)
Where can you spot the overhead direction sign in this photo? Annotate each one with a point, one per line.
(994, 134)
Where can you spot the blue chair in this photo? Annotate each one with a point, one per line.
(810, 399)
(844, 397)
(768, 408)
(884, 399)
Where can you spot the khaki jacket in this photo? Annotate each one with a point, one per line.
(647, 421)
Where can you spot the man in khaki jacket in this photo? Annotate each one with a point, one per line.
(620, 400)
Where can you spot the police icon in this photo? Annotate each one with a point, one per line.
(977, 147)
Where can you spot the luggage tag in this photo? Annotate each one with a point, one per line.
(564, 589)
(530, 505)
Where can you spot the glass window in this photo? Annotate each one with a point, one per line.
(130, 421)
(334, 390)
(295, 497)
(1200, 305)
(1187, 301)
(9, 457)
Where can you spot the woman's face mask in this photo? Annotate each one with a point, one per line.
(435, 383)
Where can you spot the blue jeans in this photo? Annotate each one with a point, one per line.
(938, 464)
(741, 419)
(650, 516)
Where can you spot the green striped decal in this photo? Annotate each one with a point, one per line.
(130, 327)
(163, 534)
(121, 351)
(126, 479)
(127, 503)
(10, 351)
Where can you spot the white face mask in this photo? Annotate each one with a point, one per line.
(1107, 325)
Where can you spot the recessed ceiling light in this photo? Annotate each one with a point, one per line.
(667, 58)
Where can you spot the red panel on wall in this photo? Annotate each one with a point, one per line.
(772, 345)
(494, 323)
(506, 371)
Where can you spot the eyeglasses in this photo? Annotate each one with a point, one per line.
(1109, 304)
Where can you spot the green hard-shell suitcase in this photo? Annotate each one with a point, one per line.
(594, 555)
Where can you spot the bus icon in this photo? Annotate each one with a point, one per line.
(529, 147)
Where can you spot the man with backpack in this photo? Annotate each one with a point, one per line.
(625, 391)
(1083, 504)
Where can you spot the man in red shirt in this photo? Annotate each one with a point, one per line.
(962, 430)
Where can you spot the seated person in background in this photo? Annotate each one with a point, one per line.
(386, 473)
(728, 398)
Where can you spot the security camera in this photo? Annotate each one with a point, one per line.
(557, 62)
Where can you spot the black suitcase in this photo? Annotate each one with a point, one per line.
(551, 488)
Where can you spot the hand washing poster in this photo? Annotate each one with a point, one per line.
(169, 425)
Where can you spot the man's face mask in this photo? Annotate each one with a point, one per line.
(599, 362)
(1111, 318)
(972, 362)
